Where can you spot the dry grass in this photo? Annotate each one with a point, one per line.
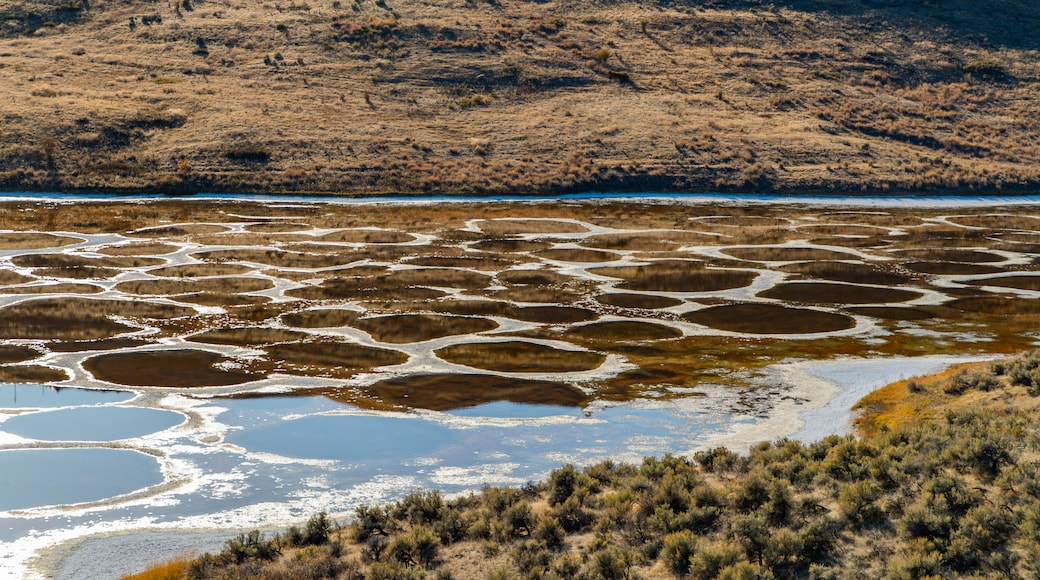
(419, 95)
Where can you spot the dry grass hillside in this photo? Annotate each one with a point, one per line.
(488, 96)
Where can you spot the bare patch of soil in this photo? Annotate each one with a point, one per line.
(520, 357)
(167, 368)
(769, 319)
(831, 293)
(408, 328)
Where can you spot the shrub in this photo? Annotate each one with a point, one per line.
(678, 548)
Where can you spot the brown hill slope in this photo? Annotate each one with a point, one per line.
(513, 96)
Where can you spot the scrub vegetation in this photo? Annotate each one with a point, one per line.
(370, 96)
(942, 483)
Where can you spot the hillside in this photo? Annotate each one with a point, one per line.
(519, 96)
(943, 484)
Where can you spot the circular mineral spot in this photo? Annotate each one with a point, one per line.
(677, 276)
(278, 258)
(102, 344)
(167, 368)
(407, 328)
(31, 374)
(334, 359)
(485, 262)
(444, 392)
(60, 288)
(71, 261)
(537, 314)
(880, 218)
(103, 423)
(953, 255)
(893, 312)
(34, 241)
(508, 227)
(996, 305)
(577, 255)
(841, 230)
(624, 331)
(33, 396)
(832, 293)
(520, 357)
(165, 287)
(643, 301)
(276, 227)
(249, 336)
(786, 254)
(853, 272)
(39, 477)
(769, 319)
(13, 353)
(533, 277)
(139, 249)
(217, 299)
(536, 295)
(998, 221)
(7, 278)
(511, 246)
(203, 270)
(1017, 282)
(368, 237)
(321, 318)
(179, 231)
(951, 268)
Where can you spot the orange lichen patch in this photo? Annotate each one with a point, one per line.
(534, 277)
(33, 241)
(905, 401)
(276, 227)
(139, 249)
(833, 293)
(623, 331)
(368, 237)
(321, 318)
(577, 255)
(407, 328)
(167, 368)
(951, 268)
(62, 288)
(200, 270)
(78, 318)
(520, 357)
(536, 295)
(952, 255)
(12, 353)
(893, 312)
(77, 261)
(854, 272)
(8, 277)
(642, 301)
(220, 299)
(786, 254)
(178, 231)
(486, 263)
(511, 246)
(677, 276)
(996, 305)
(509, 227)
(769, 319)
(538, 314)
(1017, 282)
(278, 258)
(31, 374)
(444, 392)
(191, 286)
(249, 336)
(998, 221)
(103, 344)
(331, 359)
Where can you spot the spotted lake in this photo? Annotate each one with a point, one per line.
(173, 371)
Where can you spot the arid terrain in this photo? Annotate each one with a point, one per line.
(359, 96)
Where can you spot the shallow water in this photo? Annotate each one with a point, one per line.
(40, 477)
(15, 396)
(91, 423)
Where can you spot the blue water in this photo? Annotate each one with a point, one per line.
(91, 423)
(14, 396)
(38, 477)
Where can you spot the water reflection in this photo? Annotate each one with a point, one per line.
(16, 396)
